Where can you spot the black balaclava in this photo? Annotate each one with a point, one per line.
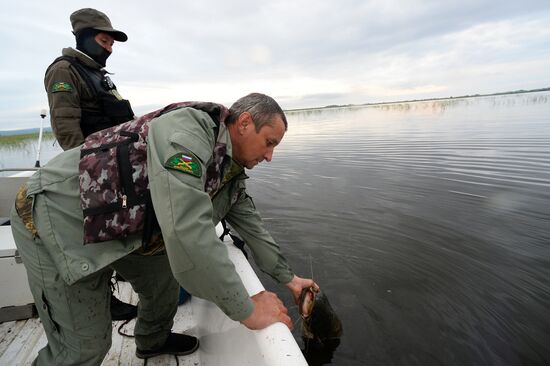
(85, 42)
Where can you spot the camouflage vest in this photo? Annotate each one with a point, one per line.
(114, 186)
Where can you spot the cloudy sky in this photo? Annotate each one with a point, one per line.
(305, 53)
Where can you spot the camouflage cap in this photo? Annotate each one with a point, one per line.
(91, 18)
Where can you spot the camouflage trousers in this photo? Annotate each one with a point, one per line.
(76, 318)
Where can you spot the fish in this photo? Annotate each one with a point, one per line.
(319, 320)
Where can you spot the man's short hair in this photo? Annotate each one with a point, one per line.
(262, 108)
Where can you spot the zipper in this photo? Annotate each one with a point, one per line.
(124, 201)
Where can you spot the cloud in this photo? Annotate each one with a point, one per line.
(306, 53)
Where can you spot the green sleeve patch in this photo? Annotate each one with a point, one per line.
(61, 86)
(185, 161)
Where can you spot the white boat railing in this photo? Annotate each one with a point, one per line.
(227, 342)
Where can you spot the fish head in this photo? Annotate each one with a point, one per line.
(307, 302)
(319, 321)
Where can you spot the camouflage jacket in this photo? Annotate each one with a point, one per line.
(186, 213)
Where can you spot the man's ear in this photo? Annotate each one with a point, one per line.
(244, 121)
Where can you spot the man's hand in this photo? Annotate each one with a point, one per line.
(268, 309)
(297, 284)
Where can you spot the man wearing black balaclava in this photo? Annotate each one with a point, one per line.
(86, 43)
(82, 97)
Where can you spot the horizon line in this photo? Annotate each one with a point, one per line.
(519, 91)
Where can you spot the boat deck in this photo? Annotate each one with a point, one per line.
(21, 340)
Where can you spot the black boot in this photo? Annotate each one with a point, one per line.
(121, 310)
(176, 344)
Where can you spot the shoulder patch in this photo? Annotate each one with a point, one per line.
(185, 161)
(61, 86)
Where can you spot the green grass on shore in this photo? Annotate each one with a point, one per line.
(19, 139)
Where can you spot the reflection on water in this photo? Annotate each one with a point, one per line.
(428, 224)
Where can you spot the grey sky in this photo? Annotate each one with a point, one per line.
(305, 53)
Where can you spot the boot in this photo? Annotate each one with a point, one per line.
(176, 344)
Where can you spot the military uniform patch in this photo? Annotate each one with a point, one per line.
(61, 86)
(185, 161)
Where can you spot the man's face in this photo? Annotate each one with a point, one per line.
(105, 40)
(251, 147)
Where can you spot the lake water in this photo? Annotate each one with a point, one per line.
(23, 154)
(427, 224)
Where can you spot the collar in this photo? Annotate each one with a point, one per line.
(84, 58)
(225, 138)
(232, 168)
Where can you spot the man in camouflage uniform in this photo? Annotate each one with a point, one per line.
(82, 98)
(68, 280)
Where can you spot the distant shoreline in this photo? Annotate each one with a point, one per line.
(25, 131)
(34, 131)
(17, 138)
(419, 100)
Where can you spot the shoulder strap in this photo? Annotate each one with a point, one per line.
(79, 68)
(238, 242)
